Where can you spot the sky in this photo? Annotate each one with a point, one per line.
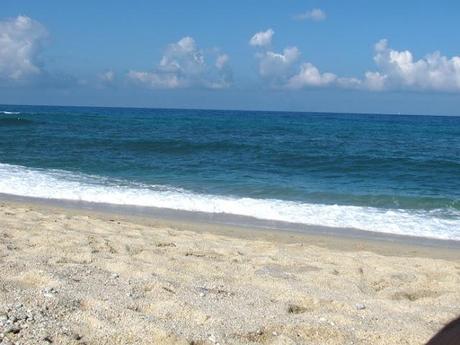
(291, 55)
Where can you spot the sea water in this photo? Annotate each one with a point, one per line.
(384, 173)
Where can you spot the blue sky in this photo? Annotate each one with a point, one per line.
(340, 56)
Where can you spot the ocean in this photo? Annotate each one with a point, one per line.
(382, 173)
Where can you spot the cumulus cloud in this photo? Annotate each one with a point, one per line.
(277, 65)
(282, 70)
(374, 81)
(262, 38)
(157, 80)
(315, 14)
(21, 41)
(182, 65)
(399, 69)
(309, 75)
(224, 75)
(396, 70)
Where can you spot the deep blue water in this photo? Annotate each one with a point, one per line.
(375, 172)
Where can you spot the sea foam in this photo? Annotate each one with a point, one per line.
(57, 184)
(10, 112)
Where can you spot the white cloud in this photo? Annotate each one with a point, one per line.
(183, 65)
(183, 57)
(224, 75)
(262, 39)
(221, 61)
(396, 70)
(375, 81)
(277, 65)
(315, 14)
(279, 69)
(309, 75)
(399, 70)
(107, 76)
(21, 41)
(349, 83)
(157, 80)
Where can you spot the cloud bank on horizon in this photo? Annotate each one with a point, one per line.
(185, 65)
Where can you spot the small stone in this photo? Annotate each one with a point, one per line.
(12, 329)
(360, 306)
(274, 334)
(49, 292)
(115, 275)
(212, 339)
(202, 294)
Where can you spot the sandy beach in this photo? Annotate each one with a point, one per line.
(76, 277)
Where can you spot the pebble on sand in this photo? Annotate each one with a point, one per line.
(360, 306)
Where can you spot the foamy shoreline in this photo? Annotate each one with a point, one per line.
(244, 223)
(439, 223)
(74, 276)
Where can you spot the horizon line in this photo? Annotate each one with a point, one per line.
(228, 109)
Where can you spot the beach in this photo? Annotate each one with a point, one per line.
(71, 276)
(229, 173)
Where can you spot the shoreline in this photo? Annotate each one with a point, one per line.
(274, 213)
(252, 228)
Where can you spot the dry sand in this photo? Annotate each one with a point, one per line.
(73, 277)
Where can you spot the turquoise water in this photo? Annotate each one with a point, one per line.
(398, 174)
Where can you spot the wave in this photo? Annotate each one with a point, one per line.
(10, 112)
(58, 184)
